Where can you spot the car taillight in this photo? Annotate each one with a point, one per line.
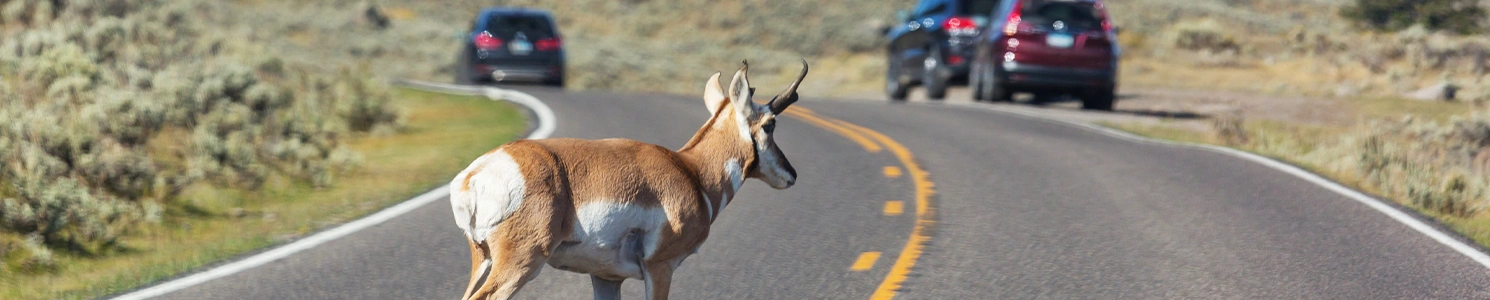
(955, 60)
(1016, 24)
(1106, 19)
(485, 41)
(549, 44)
(958, 25)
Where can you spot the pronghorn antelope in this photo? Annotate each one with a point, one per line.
(614, 208)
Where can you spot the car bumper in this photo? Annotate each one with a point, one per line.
(957, 60)
(496, 72)
(1037, 76)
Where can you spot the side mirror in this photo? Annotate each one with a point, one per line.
(902, 16)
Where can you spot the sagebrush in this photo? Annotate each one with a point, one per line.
(112, 107)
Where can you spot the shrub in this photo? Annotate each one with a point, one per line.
(363, 104)
(26, 254)
(1230, 131)
(59, 209)
(1459, 16)
(1431, 165)
(89, 84)
(1203, 34)
(66, 60)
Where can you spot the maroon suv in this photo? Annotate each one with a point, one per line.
(1049, 48)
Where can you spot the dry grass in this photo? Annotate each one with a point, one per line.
(1431, 156)
(1290, 48)
(1435, 161)
(444, 133)
(654, 46)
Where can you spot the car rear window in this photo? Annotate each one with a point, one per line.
(978, 7)
(1075, 15)
(507, 27)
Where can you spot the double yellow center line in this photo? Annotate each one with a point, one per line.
(871, 141)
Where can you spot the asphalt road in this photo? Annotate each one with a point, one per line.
(1024, 209)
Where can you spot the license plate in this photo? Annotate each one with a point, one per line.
(520, 48)
(1059, 40)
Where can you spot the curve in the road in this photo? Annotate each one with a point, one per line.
(1437, 235)
(925, 211)
(546, 122)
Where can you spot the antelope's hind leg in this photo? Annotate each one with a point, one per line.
(508, 267)
(515, 253)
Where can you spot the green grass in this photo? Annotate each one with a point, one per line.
(211, 224)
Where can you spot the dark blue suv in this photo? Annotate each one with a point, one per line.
(933, 43)
(508, 44)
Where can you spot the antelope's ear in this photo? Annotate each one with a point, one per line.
(740, 91)
(713, 94)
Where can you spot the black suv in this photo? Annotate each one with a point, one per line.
(933, 43)
(512, 44)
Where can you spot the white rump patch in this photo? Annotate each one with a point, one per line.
(495, 192)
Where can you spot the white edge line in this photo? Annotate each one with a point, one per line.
(546, 124)
(1411, 222)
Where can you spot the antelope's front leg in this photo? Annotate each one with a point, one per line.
(605, 289)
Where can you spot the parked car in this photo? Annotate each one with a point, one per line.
(512, 44)
(932, 44)
(1049, 48)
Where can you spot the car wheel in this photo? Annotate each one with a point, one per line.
(555, 82)
(931, 79)
(1098, 100)
(996, 92)
(1042, 98)
(992, 90)
(894, 87)
(463, 69)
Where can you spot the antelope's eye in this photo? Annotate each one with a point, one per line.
(770, 125)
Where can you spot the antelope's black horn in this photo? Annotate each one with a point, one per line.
(787, 97)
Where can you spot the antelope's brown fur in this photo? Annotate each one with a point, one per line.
(561, 176)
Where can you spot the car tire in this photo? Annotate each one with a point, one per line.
(1099, 100)
(463, 69)
(993, 90)
(1043, 98)
(997, 92)
(931, 79)
(894, 87)
(975, 83)
(555, 82)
